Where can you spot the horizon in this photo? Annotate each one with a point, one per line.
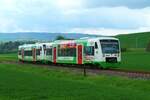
(96, 17)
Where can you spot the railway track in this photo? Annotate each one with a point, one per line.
(127, 73)
(96, 71)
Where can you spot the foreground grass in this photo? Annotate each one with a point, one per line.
(28, 82)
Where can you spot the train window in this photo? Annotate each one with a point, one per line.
(110, 46)
(49, 51)
(38, 52)
(27, 53)
(89, 50)
(67, 52)
(44, 46)
(96, 46)
(59, 52)
(19, 52)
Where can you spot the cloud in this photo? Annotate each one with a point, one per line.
(133, 4)
(112, 20)
(108, 31)
(113, 17)
(44, 15)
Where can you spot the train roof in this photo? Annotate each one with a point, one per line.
(26, 45)
(84, 39)
(100, 38)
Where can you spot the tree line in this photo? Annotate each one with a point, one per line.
(12, 46)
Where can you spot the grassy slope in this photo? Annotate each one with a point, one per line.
(129, 40)
(19, 82)
(136, 60)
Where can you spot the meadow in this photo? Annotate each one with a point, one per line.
(138, 60)
(29, 82)
(136, 40)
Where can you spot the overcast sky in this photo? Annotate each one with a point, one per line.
(103, 17)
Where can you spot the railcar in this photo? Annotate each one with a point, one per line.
(35, 52)
(103, 52)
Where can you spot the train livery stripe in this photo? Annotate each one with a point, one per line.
(80, 59)
(54, 55)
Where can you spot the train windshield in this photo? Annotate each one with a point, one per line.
(110, 46)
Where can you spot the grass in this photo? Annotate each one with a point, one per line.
(136, 40)
(9, 57)
(28, 82)
(136, 60)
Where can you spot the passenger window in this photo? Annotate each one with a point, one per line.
(96, 46)
(89, 50)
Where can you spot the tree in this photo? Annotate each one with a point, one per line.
(60, 38)
(12, 46)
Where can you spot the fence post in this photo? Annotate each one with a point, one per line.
(85, 74)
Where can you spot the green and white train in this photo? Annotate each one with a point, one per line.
(103, 52)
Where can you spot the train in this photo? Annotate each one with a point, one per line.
(103, 52)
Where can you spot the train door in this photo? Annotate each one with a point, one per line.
(34, 54)
(80, 53)
(96, 51)
(22, 53)
(44, 48)
(54, 55)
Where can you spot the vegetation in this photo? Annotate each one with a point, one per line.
(9, 57)
(60, 38)
(135, 60)
(29, 82)
(148, 47)
(136, 40)
(10, 47)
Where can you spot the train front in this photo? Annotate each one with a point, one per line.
(110, 52)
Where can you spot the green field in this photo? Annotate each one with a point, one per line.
(135, 60)
(28, 82)
(9, 57)
(137, 40)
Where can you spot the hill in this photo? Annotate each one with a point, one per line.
(39, 36)
(135, 40)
